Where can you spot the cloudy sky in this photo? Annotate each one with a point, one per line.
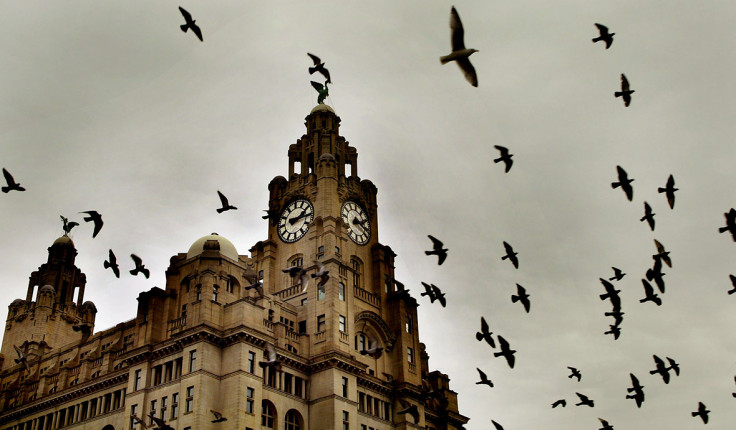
(108, 106)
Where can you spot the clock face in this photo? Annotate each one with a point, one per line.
(295, 219)
(359, 226)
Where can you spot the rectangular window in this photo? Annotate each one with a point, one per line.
(342, 322)
(287, 382)
(410, 354)
(174, 406)
(251, 362)
(214, 292)
(192, 360)
(345, 420)
(249, 400)
(152, 413)
(361, 402)
(157, 375)
(321, 323)
(189, 405)
(133, 413)
(320, 251)
(341, 291)
(183, 311)
(164, 401)
(137, 383)
(386, 283)
(344, 387)
(320, 291)
(298, 386)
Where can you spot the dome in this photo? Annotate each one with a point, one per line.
(63, 240)
(47, 289)
(327, 157)
(321, 108)
(17, 302)
(226, 247)
(90, 305)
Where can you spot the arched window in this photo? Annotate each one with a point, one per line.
(293, 420)
(108, 427)
(268, 415)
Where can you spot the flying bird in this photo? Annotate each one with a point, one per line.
(497, 425)
(459, 53)
(483, 378)
(160, 423)
(662, 254)
(618, 316)
(434, 293)
(218, 417)
(605, 425)
(226, 206)
(409, 409)
(625, 92)
(730, 223)
(574, 373)
(655, 274)
(485, 333)
(373, 350)
(323, 274)
(637, 389)
(298, 271)
(505, 157)
(649, 294)
(137, 421)
(22, 359)
(669, 190)
(506, 352)
(521, 296)
(139, 267)
(614, 330)
(511, 255)
(271, 214)
(96, 218)
(701, 412)
(272, 359)
(437, 249)
(664, 370)
(584, 401)
(611, 294)
(617, 274)
(624, 182)
(319, 66)
(648, 216)
(733, 282)
(190, 24)
(112, 263)
(604, 35)
(11, 184)
(561, 402)
(68, 226)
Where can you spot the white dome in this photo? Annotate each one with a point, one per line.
(322, 107)
(226, 247)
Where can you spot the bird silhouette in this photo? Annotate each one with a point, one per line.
(96, 218)
(459, 53)
(521, 296)
(298, 271)
(625, 92)
(584, 400)
(258, 285)
(434, 293)
(561, 402)
(702, 412)
(483, 379)
(272, 359)
(323, 274)
(226, 206)
(511, 255)
(497, 425)
(637, 389)
(505, 157)
(730, 223)
(617, 274)
(437, 249)
(574, 373)
(271, 214)
(605, 425)
(614, 330)
(624, 182)
(68, 226)
(373, 350)
(409, 409)
(322, 91)
(733, 283)
(218, 417)
(137, 421)
(664, 370)
(139, 267)
(669, 190)
(112, 263)
(319, 66)
(662, 254)
(160, 423)
(604, 36)
(648, 216)
(649, 294)
(506, 352)
(11, 184)
(190, 24)
(655, 274)
(618, 316)
(485, 333)
(22, 359)
(611, 294)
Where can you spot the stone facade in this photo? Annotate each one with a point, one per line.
(195, 346)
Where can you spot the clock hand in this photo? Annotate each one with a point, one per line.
(293, 221)
(357, 221)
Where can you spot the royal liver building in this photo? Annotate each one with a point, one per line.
(262, 346)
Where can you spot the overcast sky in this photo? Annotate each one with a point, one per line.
(108, 106)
